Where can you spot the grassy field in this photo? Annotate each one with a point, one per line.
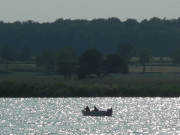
(26, 80)
(155, 69)
(31, 67)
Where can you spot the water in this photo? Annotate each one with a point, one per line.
(61, 116)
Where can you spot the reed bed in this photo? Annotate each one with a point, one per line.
(132, 85)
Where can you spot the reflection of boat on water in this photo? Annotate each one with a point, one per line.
(97, 113)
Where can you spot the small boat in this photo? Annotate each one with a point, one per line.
(97, 113)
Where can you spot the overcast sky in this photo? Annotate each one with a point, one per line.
(50, 10)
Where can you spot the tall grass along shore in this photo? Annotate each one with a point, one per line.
(132, 85)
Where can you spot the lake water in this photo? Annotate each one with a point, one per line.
(62, 116)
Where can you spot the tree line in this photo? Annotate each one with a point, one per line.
(160, 36)
(90, 63)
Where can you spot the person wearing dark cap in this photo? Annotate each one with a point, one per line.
(87, 109)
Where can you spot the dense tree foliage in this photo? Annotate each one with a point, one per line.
(115, 64)
(66, 53)
(67, 67)
(102, 34)
(126, 51)
(8, 53)
(91, 62)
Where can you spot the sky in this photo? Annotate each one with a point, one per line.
(51, 10)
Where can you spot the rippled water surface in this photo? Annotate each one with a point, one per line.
(131, 116)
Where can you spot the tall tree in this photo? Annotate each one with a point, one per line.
(67, 67)
(125, 51)
(66, 53)
(144, 57)
(115, 64)
(90, 62)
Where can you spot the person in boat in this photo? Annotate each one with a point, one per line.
(87, 109)
(109, 111)
(95, 109)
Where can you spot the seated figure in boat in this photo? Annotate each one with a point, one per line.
(109, 111)
(95, 109)
(87, 109)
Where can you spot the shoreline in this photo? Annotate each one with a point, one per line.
(144, 85)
